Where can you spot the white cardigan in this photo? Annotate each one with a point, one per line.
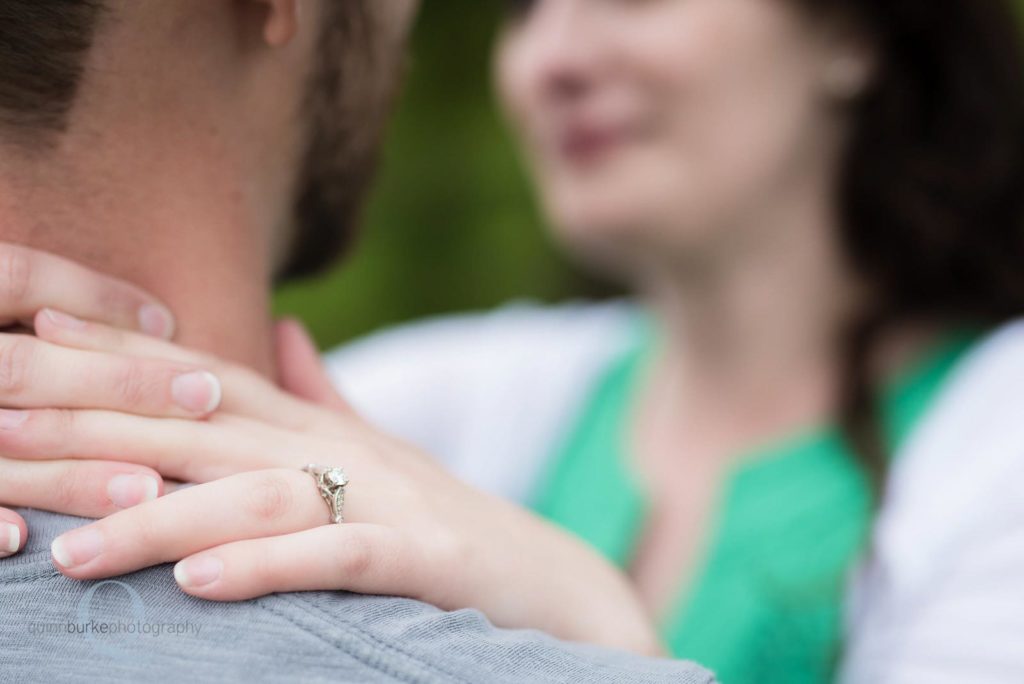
(941, 599)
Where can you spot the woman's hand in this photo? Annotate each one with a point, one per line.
(411, 528)
(30, 281)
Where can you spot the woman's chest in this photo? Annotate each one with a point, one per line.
(674, 534)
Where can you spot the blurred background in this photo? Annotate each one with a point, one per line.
(452, 224)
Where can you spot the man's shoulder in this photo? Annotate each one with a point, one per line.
(142, 626)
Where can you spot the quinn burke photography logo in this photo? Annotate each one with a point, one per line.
(112, 617)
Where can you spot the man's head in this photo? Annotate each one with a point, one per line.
(256, 113)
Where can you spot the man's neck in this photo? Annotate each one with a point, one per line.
(199, 260)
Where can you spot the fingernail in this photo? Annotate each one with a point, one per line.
(11, 419)
(156, 321)
(198, 391)
(63, 320)
(77, 548)
(13, 536)
(126, 491)
(197, 572)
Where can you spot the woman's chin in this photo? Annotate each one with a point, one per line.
(628, 244)
(598, 221)
(583, 233)
(584, 220)
(609, 249)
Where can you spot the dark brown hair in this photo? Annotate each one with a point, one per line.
(336, 171)
(932, 187)
(43, 44)
(349, 97)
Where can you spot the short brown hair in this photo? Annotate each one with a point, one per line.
(43, 44)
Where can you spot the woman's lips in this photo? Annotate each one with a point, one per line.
(587, 144)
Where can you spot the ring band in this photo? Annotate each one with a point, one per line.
(330, 481)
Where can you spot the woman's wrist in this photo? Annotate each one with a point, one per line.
(572, 591)
(610, 612)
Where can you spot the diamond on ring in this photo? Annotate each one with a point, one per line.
(330, 481)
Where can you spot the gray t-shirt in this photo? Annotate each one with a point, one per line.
(142, 627)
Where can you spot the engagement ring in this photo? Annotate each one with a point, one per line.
(331, 481)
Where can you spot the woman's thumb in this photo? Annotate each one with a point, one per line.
(300, 370)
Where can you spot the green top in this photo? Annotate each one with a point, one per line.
(766, 601)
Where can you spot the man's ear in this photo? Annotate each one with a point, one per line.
(281, 22)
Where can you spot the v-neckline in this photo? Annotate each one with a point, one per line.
(904, 398)
(766, 591)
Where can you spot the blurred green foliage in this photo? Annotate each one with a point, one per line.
(452, 224)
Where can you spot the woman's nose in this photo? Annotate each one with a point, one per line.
(564, 50)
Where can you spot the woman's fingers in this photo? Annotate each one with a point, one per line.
(31, 280)
(90, 489)
(13, 532)
(300, 369)
(60, 327)
(360, 557)
(244, 392)
(37, 374)
(185, 450)
(245, 506)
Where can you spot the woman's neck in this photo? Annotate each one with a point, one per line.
(750, 344)
(757, 333)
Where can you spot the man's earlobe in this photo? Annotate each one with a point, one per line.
(282, 21)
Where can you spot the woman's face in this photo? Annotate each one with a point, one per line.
(669, 125)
